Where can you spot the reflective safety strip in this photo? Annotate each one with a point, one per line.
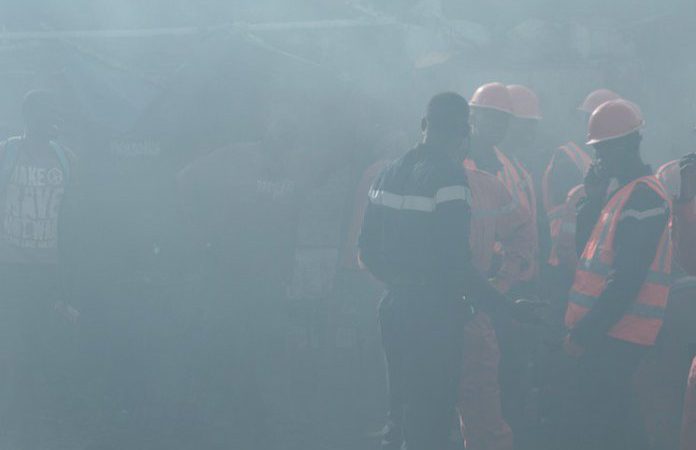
(641, 215)
(637, 309)
(419, 203)
(602, 269)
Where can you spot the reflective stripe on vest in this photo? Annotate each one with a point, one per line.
(642, 321)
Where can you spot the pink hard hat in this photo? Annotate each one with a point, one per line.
(493, 96)
(596, 98)
(612, 120)
(525, 103)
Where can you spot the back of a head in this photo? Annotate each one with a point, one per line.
(448, 113)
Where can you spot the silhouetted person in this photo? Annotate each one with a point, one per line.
(35, 172)
(415, 239)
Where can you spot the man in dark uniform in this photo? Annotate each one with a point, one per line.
(415, 239)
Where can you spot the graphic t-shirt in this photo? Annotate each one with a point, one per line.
(30, 203)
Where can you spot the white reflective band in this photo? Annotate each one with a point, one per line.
(640, 215)
(418, 203)
(453, 193)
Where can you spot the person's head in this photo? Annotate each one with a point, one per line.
(614, 132)
(446, 122)
(491, 113)
(593, 101)
(524, 125)
(616, 155)
(40, 114)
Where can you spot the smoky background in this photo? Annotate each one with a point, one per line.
(186, 339)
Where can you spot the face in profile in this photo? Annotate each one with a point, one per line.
(490, 125)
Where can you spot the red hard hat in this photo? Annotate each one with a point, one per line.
(493, 96)
(525, 103)
(612, 120)
(596, 98)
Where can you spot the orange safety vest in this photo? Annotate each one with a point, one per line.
(562, 217)
(643, 320)
(563, 225)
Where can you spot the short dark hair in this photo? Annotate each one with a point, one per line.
(448, 112)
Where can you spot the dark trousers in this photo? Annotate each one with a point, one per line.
(604, 411)
(422, 338)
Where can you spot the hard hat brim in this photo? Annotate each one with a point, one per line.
(600, 140)
(532, 117)
(507, 111)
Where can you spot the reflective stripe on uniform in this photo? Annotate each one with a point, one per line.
(602, 269)
(636, 309)
(641, 215)
(420, 203)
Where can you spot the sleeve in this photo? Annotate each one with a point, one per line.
(515, 232)
(370, 239)
(684, 235)
(453, 223)
(638, 234)
(588, 214)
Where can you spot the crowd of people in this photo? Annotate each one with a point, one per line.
(526, 290)
(479, 237)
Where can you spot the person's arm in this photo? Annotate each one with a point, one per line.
(638, 234)
(596, 184)
(515, 232)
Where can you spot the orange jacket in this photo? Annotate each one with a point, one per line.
(643, 320)
(521, 189)
(496, 217)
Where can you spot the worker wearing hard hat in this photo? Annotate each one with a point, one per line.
(523, 131)
(492, 111)
(617, 302)
(567, 167)
(491, 114)
(495, 218)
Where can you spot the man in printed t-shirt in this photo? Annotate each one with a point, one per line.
(34, 174)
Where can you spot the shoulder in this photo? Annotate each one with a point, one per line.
(644, 202)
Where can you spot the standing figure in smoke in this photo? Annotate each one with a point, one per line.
(617, 302)
(415, 239)
(35, 172)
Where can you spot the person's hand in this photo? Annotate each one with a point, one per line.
(596, 181)
(571, 348)
(687, 169)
